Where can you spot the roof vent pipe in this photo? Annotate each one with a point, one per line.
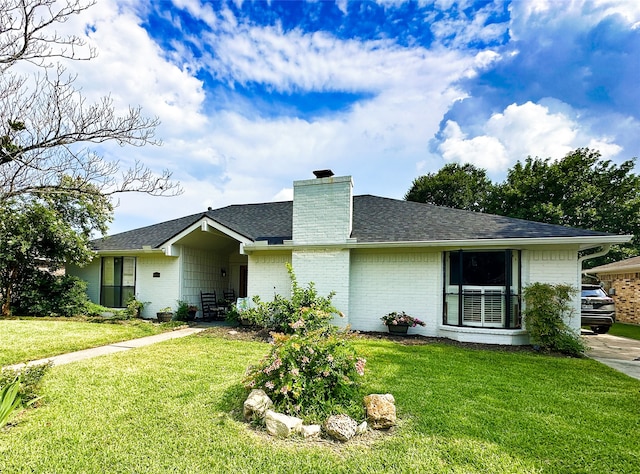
(323, 173)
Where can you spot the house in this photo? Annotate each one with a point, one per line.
(459, 271)
(624, 278)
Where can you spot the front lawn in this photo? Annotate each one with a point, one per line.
(26, 339)
(176, 407)
(632, 331)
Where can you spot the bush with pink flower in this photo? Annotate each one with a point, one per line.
(312, 370)
(311, 375)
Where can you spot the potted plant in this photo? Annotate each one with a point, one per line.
(238, 313)
(165, 314)
(134, 307)
(192, 310)
(400, 322)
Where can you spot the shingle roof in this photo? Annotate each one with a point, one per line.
(375, 219)
(629, 265)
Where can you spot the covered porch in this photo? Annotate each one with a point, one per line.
(210, 264)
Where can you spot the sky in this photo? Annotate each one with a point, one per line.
(254, 95)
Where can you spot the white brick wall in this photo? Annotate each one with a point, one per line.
(558, 266)
(159, 292)
(329, 271)
(385, 281)
(268, 275)
(322, 210)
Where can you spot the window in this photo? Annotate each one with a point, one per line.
(482, 289)
(118, 281)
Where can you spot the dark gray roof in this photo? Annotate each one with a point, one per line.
(375, 219)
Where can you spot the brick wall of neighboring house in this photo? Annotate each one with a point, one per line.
(627, 297)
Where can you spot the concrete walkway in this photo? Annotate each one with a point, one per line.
(112, 348)
(619, 353)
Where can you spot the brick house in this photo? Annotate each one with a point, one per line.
(624, 278)
(461, 272)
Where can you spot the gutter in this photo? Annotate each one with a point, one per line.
(583, 243)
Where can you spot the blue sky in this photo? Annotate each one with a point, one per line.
(255, 95)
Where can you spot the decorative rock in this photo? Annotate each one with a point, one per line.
(381, 410)
(310, 431)
(281, 425)
(340, 427)
(256, 404)
(362, 428)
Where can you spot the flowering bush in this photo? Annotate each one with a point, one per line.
(311, 375)
(400, 319)
(305, 311)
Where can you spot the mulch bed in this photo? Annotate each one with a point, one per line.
(262, 335)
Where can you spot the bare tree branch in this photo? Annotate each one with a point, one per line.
(46, 124)
(25, 32)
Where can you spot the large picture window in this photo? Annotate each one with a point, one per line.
(482, 288)
(118, 281)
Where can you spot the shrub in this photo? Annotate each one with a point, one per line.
(134, 307)
(304, 311)
(182, 312)
(311, 375)
(313, 370)
(29, 378)
(45, 294)
(19, 388)
(546, 306)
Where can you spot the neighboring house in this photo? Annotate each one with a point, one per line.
(461, 272)
(624, 278)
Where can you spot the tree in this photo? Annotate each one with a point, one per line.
(457, 186)
(54, 189)
(46, 124)
(40, 233)
(579, 190)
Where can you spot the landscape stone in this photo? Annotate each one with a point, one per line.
(256, 404)
(381, 411)
(340, 427)
(280, 425)
(310, 431)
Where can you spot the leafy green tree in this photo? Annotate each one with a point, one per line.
(457, 186)
(40, 233)
(580, 190)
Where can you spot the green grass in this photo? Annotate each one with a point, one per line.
(632, 331)
(26, 339)
(176, 407)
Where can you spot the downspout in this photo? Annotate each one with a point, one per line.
(604, 251)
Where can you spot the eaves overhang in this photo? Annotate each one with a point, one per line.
(130, 252)
(581, 243)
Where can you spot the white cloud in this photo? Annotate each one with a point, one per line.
(528, 17)
(520, 131)
(483, 151)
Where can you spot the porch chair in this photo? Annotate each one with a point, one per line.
(230, 296)
(210, 308)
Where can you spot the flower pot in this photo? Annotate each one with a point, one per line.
(164, 317)
(191, 315)
(398, 329)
